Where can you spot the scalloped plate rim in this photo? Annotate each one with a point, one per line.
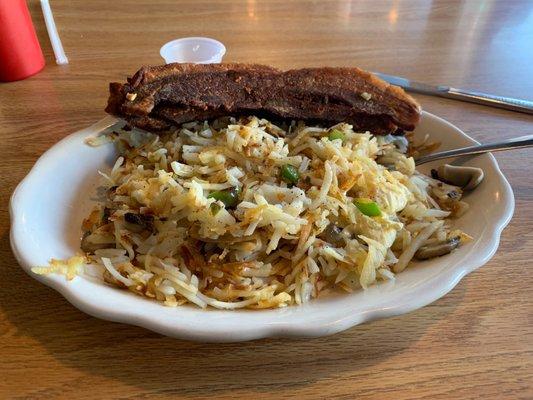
(220, 333)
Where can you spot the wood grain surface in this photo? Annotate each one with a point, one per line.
(475, 343)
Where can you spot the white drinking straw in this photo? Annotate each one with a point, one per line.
(61, 57)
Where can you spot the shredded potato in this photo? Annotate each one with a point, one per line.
(246, 214)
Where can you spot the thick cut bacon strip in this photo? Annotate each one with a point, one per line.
(156, 98)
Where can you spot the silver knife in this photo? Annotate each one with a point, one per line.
(509, 103)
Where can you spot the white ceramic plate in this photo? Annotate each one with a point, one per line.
(49, 204)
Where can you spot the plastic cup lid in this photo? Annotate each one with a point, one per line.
(198, 50)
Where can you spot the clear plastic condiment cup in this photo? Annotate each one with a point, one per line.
(198, 50)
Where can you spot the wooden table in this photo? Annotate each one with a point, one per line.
(476, 342)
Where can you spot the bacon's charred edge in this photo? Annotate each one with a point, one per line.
(116, 98)
(156, 98)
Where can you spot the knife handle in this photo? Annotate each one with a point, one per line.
(507, 103)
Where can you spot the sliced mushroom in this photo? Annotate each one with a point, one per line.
(438, 249)
(139, 222)
(468, 178)
(333, 235)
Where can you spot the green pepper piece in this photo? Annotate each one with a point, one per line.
(230, 197)
(336, 134)
(215, 208)
(367, 207)
(289, 174)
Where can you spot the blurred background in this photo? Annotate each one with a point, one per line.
(476, 44)
(453, 41)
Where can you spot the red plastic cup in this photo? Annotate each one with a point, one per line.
(20, 53)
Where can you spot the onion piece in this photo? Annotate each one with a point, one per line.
(417, 242)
